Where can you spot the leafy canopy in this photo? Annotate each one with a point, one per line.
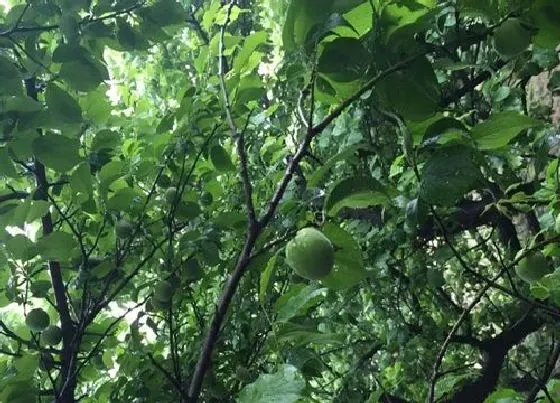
(157, 157)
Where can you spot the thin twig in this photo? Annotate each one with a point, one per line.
(239, 137)
(466, 312)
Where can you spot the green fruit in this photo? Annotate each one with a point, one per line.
(40, 288)
(533, 268)
(94, 261)
(310, 254)
(164, 181)
(206, 198)
(51, 336)
(511, 38)
(47, 362)
(170, 195)
(192, 270)
(158, 305)
(124, 229)
(163, 291)
(37, 320)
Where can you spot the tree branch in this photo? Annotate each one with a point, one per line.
(13, 196)
(553, 359)
(254, 231)
(239, 137)
(67, 326)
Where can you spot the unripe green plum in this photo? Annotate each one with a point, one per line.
(511, 38)
(124, 229)
(163, 291)
(37, 320)
(310, 254)
(52, 335)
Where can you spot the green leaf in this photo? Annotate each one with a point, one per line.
(164, 13)
(301, 335)
(302, 18)
(349, 267)
(284, 386)
(250, 45)
(545, 15)
(504, 396)
(96, 105)
(84, 74)
(58, 245)
(19, 104)
(8, 70)
(448, 175)
(413, 92)
(7, 167)
(20, 247)
(231, 220)
(166, 123)
(359, 191)
(37, 209)
(61, 105)
(297, 300)
(318, 176)
(221, 159)
(81, 182)
(57, 152)
(344, 59)
(500, 129)
(129, 38)
(265, 283)
(124, 199)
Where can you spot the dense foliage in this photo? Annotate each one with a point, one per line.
(158, 156)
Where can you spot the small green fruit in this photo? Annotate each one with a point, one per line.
(37, 320)
(164, 181)
(51, 336)
(192, 270)
(206, 198)
(511, 38)
(158, 305)
(124, 229)
(532, 268)
(310, 254)
(170, 195)
(40, 288)
(47, 362)
(163, 291)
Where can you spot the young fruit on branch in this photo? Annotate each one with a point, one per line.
(511, 38)
(124, 229)
(310, 254)
(37, 320)
(51, 336)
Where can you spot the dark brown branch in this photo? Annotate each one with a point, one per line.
(18, 21)
(447, 341)
(85, 21)
(254, 231)
(67, 326)
(13, 196)
(470, 85)
(496, 351)
(168, 376)
(551, 364)
(239, 137)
